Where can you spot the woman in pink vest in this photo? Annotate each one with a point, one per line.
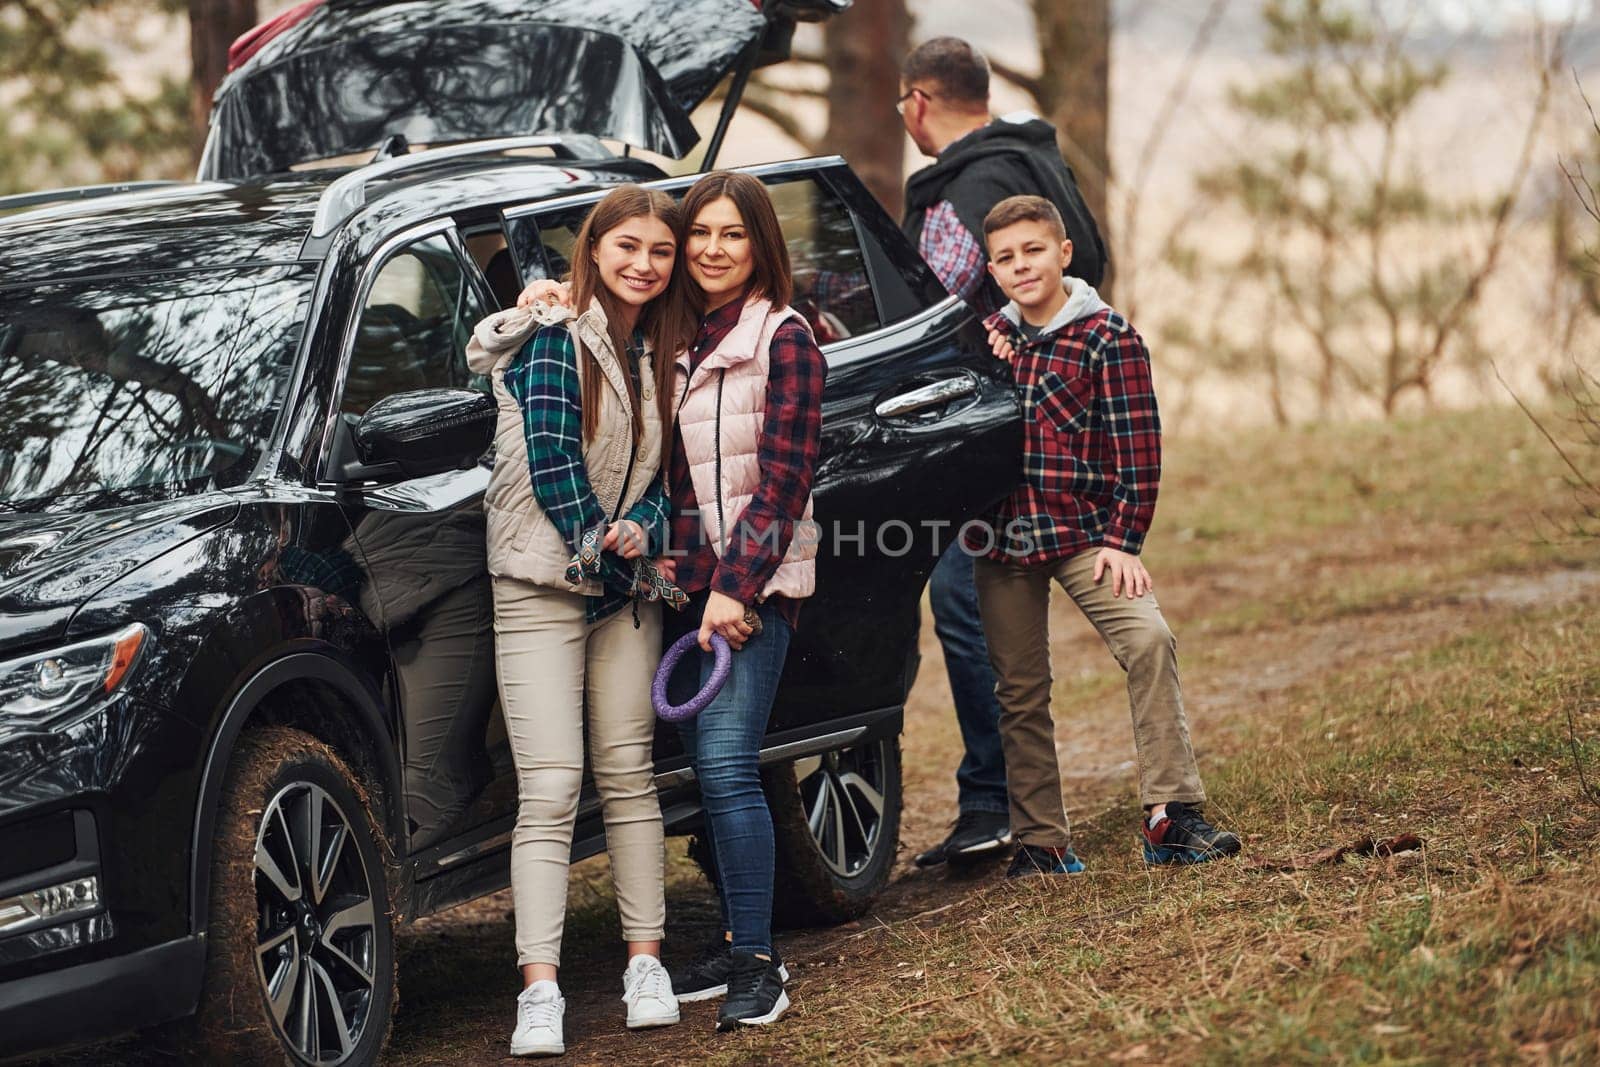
(748, 403)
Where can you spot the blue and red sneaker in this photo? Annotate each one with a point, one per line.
(1182, 835)
(1036, 859)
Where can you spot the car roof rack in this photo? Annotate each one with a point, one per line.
(76, 192)
(348, 193)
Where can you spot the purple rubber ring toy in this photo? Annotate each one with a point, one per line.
(697, 703)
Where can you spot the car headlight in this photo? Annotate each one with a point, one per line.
(48, 690)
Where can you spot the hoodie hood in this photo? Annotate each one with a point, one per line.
(1017, 134)
(1082, 303)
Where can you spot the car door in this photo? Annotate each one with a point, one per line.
(921, 429)
(421, 541)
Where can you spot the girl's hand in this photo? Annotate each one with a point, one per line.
(548, 290)
(1127, 572)
(724, 615)
(1000, 345)
(626, 539)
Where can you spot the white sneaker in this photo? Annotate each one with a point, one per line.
(539, 1011)
(647, 990)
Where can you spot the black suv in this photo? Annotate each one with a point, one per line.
(248, 716)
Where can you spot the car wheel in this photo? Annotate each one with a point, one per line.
(837, 822)
(300, 947)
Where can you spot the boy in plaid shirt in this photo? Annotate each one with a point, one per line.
(1091, 466)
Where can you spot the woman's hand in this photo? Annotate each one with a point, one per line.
(724, 615)
(626, 539)
(548, 290)
(1000, 345)
(667, 567)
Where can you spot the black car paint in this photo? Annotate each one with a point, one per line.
(630, 70)
(238, 640)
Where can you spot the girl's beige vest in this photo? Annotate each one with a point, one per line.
(720, 413)
(523, 542)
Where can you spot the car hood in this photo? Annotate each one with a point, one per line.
(351, 73)
(50, 565)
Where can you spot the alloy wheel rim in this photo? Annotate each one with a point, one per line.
(315, 925)
(843, 796)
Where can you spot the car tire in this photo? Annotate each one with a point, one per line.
(824, 878)
(300, 961)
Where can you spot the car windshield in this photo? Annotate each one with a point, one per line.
(137, 388)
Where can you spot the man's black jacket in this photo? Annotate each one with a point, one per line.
(999, 160)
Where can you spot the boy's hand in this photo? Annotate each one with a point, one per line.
(1000, 345)
(548, 290)
(1127, 572)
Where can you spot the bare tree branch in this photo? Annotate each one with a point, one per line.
(1031, 84)
(1153, 141)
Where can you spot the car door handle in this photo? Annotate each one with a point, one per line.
(934, 394)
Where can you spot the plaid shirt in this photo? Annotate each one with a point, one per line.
(1091, 452)
(955, 254)
(787, 452)
(543, 379)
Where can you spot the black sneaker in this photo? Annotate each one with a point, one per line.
(1182, 835)
(755, 993)
(1034, 859)
(706, 976)
(978, 835)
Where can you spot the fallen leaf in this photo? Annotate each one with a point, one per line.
(1132, 1052)
(1389, 1029)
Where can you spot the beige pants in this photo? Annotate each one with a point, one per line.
(1015, 603)
(550, 663)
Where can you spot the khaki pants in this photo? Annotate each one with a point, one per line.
(550, 662)
(1015, 604)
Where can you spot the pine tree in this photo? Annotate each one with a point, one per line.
(1335, 236)
(70, 117)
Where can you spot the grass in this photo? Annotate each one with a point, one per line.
(1485, 946)
(1467, 730)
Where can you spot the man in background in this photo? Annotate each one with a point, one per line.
(979, 161)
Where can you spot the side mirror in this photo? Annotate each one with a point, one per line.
(424, 432)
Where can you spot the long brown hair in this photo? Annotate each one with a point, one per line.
(667, 320)
(772, 277)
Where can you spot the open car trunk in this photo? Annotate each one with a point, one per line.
(344, 76)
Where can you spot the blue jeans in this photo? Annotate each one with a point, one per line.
(724, 745)
(981, 777)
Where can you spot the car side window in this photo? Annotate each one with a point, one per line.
(831, 286)
(414, 327)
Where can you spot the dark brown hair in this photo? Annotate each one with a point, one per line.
(667, 320)
(1015, 209)
(958, 70)
(772, 277)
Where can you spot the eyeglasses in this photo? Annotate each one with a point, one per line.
(900, 104)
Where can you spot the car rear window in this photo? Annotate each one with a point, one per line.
(139, 387)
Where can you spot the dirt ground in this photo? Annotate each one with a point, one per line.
(457, 982)
(456, 986)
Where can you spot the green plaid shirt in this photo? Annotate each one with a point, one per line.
(543, 379)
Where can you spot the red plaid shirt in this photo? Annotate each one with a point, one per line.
(1091, 453)
(791, 437)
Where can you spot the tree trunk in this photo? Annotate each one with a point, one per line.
(213, 26)
(1075, 94)
(863, 50)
